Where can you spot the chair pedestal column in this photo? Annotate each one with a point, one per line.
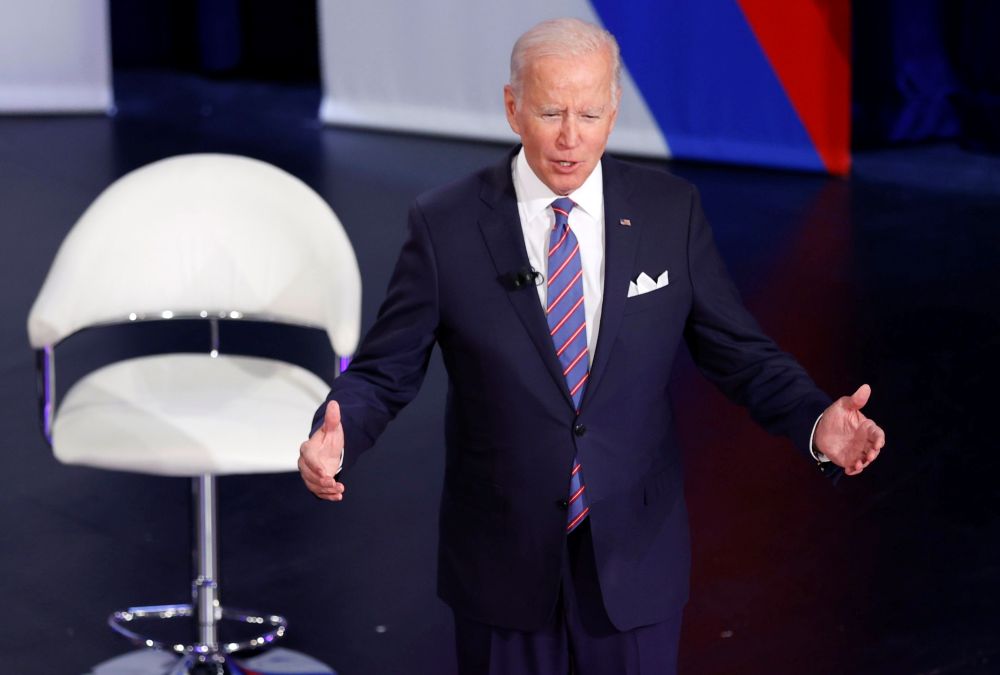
(205, 587)
(207, 658)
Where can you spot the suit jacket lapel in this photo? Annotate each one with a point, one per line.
(621, 244)
(500, 225)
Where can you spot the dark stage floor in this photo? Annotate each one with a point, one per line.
(884, 278)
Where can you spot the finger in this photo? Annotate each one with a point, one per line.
(312, 470)
(331, 418)
(333, 492)
(312, 460)
(859, 398)
(878, 438)
(854, 466)
(310, 467)
(323, 489)
(330, 490)
(312, 481)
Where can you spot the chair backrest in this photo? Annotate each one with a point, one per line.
(203, 233)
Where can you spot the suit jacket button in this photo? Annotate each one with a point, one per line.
(562, 504)
(579, 430)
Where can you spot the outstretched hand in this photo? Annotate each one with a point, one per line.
(848, 438)
(320, 457)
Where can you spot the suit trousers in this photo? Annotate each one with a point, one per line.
(579, 639)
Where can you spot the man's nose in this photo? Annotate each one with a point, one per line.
(569, 132)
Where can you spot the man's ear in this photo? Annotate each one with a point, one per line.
(614, 113)
(510, 107)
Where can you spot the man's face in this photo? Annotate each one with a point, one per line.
(564, 116)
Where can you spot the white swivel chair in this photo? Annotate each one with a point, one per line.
(212, 237)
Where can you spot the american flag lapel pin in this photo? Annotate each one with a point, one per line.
(626, 222)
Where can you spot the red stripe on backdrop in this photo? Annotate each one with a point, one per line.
(808, 44)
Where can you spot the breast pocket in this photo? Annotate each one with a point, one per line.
(649, 300)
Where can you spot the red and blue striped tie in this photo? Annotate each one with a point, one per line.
(568, 328)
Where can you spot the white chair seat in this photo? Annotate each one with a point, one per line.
(188, 414)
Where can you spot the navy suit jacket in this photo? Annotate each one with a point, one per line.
(511, 430)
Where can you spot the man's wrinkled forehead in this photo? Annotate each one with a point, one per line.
(550, 71)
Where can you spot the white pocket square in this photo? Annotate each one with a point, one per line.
(645, 283)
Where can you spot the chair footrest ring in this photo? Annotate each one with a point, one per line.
(119, 622)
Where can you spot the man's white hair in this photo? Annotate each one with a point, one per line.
(564, 38)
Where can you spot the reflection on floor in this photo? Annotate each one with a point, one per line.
(276, 661)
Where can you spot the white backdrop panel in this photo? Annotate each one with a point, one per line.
(439, 67)
(55, 56)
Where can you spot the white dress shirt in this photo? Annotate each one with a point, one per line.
(587, 222)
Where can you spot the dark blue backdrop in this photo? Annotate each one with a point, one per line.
(927, 69)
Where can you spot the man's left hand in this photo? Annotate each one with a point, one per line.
(846, 437)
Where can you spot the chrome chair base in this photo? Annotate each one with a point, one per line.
(120, 622)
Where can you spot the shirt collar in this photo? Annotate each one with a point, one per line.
(534, 196)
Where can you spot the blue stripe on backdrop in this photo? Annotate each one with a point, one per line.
(707, 82)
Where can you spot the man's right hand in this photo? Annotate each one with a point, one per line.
(320, 457)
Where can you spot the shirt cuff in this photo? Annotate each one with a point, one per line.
(817, 455)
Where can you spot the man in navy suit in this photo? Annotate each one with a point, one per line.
(558, 285)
